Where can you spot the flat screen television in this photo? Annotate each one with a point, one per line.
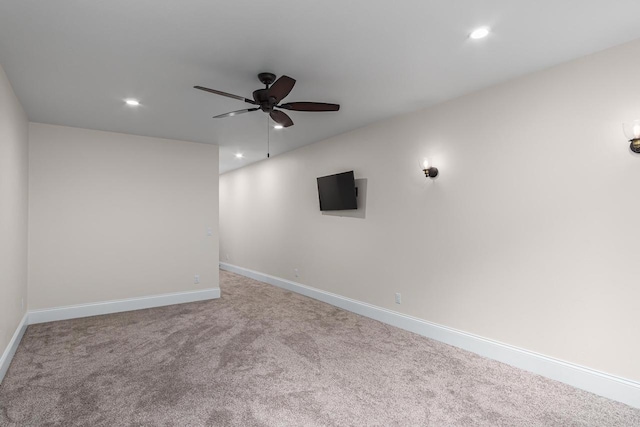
(337, 192)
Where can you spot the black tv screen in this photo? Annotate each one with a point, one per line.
(337, 192)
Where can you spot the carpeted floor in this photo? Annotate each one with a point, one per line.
(262, 356)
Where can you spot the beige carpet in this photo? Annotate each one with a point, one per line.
(261, 356)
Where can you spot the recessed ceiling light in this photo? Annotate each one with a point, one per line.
(480, 33)
(278, 127)
(239, 155)
(132, 102)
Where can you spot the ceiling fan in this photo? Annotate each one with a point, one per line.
(268, 99)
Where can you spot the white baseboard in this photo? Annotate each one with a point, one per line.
(5, 360)
(117, 306)
(600, 383)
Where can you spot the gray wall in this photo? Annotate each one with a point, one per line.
(13, 211)
(527, 237)
(116, 216)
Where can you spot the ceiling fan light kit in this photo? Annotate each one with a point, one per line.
(268, 100)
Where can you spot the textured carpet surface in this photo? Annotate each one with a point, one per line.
(262, 356)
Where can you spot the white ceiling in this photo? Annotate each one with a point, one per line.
(72, 62)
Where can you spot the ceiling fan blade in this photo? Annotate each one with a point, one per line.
(235, 113)
(309, 106)
(281, 88)
(228, 95)
(281, 118)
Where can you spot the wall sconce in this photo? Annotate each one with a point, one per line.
(632, 132)
(429, 171)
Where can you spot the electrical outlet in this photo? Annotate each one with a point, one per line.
(398, 298)
(296, 272)
(227, 257)
(196, 278)
(209, 231)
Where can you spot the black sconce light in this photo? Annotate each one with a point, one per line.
(429, 171)
(632, 132)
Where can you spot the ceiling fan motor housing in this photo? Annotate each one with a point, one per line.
(262, 98)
